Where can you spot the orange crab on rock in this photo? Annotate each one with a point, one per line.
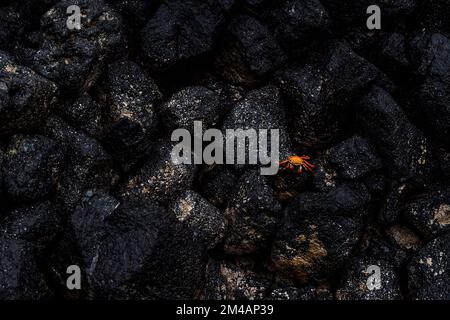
(300, 162)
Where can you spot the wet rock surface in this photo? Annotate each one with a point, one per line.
(31, 168)
(86, 170)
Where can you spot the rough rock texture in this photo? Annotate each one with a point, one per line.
(430, 213)
(180, 30)
(192, 104)
(25, 97)
(160, 179)
(88, 175)
(428, 271)
(357, 284)
(130, 98)
(129, 248)
(75, 58)
(206, 221)
(253, 215)
(403, 144)
(32, 167)
(250, 51)
(227, 281)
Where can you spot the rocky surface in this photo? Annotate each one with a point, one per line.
(86, 170)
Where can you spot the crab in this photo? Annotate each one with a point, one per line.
(300, 162)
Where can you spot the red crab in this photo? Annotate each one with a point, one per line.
(300, 162)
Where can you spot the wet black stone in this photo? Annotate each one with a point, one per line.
(25, 97)
(354, 13)
(84, 114)
(319, 93)
(296, 22)
(285, 289)
(136, 12)
(218, 185)
(312, 245)
(133, 249)
(429, 213)
(12, 24)
(397, 249)
(261, 109)
(39, 223)
(249, 51)
(75, 58)
(405, 147)
(355, 284)
(354, 158)
(2, 156)
(253, 215)
(346, 199)
(192, 104)
(350, 74)
(430, 55)
(393, 51)
(160, 179)
(393, 203)
(311, 119)
(433, 16)
(428, 271)
(444, 162)
(226, 281)
(20, 277)
(87, 164)
(206, 221)
(129, 97)
(325, 177)
(434, 99)
(180, 30)
(404, 238)
(32, 167)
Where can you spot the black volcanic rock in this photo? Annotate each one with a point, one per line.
(430, 213)
(75, 58)
(428, 271)
(90, 176)
(181, 29)
(206, 221)
(354, 158)
(20, 278)
(356, 284)
(296, 22)
(160, 179)
(130, 98)
(253, 215)
(87, 164)
(192, 104)
(249, 51)
(32, 167)
(225, 280)
(39, 223)
(132, 248)
(261, 109)
(404, 146)
(314, 247)
(25, 97)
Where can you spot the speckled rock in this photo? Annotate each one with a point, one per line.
(428, 271)
(25, 97)
(361, 282)
(253, 215)
(160, 179)
(206, 221)
(430, 213)
(227, 281)
(32, 167)
(75, 58)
